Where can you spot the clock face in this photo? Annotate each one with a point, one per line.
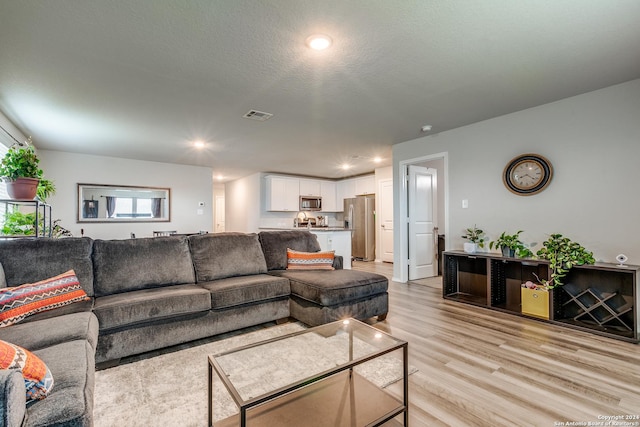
(527, 174)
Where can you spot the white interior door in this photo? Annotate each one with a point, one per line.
(422, 220)
(220, 227)
(385, 215)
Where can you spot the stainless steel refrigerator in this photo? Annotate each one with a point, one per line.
(359, 217)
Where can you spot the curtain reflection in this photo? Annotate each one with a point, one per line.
(156, 207)
(111, 205)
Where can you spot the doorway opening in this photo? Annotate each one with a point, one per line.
(421, 241)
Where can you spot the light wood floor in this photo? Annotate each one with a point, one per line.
(478, 367)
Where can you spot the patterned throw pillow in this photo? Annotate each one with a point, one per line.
(37, 376)
(309, 260)
(21, 301)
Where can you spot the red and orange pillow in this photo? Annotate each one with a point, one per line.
(297, 260)
(38, 380)
(19, 302)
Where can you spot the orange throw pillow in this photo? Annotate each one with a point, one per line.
(309, 260)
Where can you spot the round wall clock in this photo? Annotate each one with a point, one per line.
(527, 174)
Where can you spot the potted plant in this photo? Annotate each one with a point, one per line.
(476, 239)
(20, 170)
(46, 188)
(562, 254)
(511, 245)
(17, 223)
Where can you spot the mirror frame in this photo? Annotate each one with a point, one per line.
(166, 217)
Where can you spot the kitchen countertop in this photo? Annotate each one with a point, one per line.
(312, 229)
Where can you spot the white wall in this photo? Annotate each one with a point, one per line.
(189, 185)
(242, 204)
(593, 142)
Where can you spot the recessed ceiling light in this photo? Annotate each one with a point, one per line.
(346, 166)
(220, 177)
(377, 159)
(426, 128)
(198, 144)
(319, 41)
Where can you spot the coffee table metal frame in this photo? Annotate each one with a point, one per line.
(349, 325)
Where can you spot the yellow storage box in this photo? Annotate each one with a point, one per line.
(535, 302)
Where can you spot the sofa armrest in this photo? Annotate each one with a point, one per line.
(338, 262)
(13, 400)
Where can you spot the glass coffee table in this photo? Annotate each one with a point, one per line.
(329, 375)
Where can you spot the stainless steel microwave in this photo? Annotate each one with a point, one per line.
(310, 203)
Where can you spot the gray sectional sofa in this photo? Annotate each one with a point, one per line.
(153, 293)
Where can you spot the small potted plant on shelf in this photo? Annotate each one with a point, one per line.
(476, 239)
(20, 170)
(511, 245)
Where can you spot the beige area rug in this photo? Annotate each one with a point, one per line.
(171, 389)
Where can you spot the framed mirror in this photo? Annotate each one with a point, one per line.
(123, 203)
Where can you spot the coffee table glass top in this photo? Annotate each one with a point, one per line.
(262, 369)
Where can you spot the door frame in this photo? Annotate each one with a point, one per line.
(401, 222)
(379, 201)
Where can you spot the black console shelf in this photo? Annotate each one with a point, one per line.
(601, 298)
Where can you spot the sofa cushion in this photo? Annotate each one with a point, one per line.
(328, 288)
(13, 405)
(45, 333)
(32, 260)
(133, 264)
(38, 380)
(275, 244)
(70, 403)
(322, 260)
(3, 281)
(220, 255)
(234, 291)
(18, 302)
(114, 311)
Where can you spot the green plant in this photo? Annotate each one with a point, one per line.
(20, 162)
(17, 223)
(562, 254)
(59, 231)
(475, 235)
(512, 242)
(46, 188)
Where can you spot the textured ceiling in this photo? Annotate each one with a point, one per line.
(141, 79)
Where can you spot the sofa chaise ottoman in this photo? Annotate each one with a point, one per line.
(322, 296)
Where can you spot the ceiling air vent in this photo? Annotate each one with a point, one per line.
(260, 116)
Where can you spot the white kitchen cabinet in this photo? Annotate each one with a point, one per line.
(353, 187)
(346, 189)
(329, 199)
(282, 194)
(366, 185)
(309, 187)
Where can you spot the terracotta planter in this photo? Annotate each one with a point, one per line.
(23, 188)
